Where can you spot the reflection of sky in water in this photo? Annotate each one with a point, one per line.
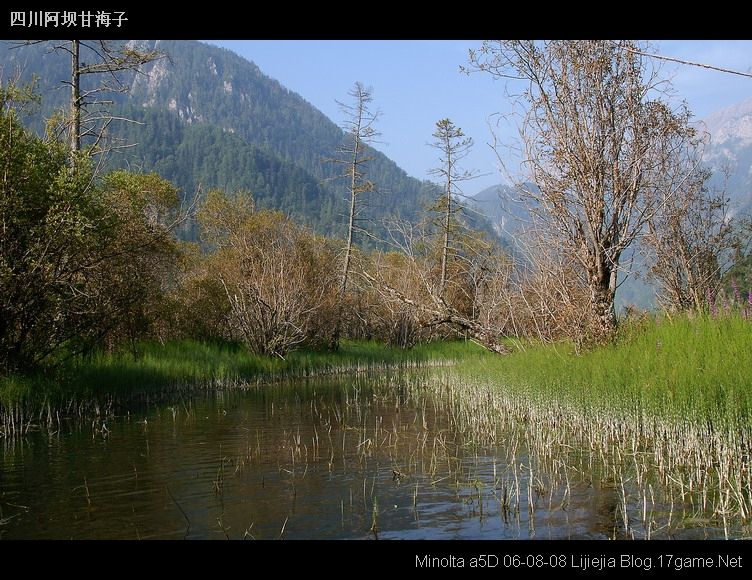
(309, 459)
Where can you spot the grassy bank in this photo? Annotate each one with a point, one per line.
(694, 369)
(157, 368)
(684, 368)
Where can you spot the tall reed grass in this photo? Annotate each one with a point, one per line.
(685, 368)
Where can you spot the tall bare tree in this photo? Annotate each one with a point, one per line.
(90, 108)
(600, 146)
(353, 155)
(453, 146)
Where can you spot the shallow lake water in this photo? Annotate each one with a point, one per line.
(352, 458)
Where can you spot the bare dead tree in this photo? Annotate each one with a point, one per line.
(386, 316)
(359, 133)
(600, 146)
(547, 293)
(269, 302)
(90, 109)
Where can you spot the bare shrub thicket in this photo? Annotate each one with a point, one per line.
(691, 242)
(278, 282)
(540, 294)
(410, 284)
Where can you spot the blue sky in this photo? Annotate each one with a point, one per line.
(416, 83)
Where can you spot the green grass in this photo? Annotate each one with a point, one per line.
(158, 368)
(697, 369)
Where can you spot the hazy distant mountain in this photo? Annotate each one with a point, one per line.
(212, 118)
(502, 206)
(731, 147)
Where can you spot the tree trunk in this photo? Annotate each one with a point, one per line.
(602, 284)
(353, 170)
(75, 129)
(334, 341)
(447, 222)
(351, 222)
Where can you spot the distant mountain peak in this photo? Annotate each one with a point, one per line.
(733, 123)
(729, 153)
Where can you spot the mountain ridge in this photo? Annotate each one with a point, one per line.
(254, 116)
